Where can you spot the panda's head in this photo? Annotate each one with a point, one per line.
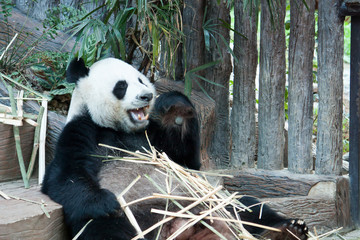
(114, 93)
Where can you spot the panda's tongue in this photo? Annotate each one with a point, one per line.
(138, 114)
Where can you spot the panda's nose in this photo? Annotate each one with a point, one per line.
(146, 97)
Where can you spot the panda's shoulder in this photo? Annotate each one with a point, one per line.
(80, 129)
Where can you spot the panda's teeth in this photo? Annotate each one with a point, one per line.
(139, 117)
(147, 116)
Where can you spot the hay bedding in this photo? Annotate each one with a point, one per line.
(181, 202)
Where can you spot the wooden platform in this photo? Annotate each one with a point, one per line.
(24, 219)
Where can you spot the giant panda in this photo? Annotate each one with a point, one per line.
(114, 104)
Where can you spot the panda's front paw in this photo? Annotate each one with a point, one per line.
(292, 229)
(105, 204)
(295, 229)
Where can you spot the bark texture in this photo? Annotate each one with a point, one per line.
(330, 78)
(220, 73)
(243, 129)
(193, 16)
(301, 53)
(272, 86)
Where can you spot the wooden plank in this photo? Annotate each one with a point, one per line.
(301, 54)
(330, 78)
(216, 12)
(243, 124)
(25, 220)
(272, 86)
(354, 154)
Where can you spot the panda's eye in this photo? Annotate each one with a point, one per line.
(120, 89)
(140, 81)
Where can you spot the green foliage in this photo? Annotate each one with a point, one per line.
(345, 130)
(122, 29)
(6, 9)
(191, 76)
(49, 73)
(347, 39)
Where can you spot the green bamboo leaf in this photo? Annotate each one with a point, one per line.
(207, 80)
(121, 43)
(203, 89)
(204, 66)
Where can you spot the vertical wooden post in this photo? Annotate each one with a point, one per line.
(243, 127)
(220, 74)
(330, 78)
(354, 155)
(301, 54)
(193, 16)
(272, 85)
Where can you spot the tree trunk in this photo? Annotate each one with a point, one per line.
(301, 54)
(330, 77)
(220, 73)
(272, 85)
(193, 15)
(243, 129)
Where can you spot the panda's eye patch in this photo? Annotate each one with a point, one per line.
(120, 89)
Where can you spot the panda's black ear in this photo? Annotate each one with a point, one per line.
(76, 70)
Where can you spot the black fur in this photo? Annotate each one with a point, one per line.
(76, 70)
(72, 178)
(181, 141)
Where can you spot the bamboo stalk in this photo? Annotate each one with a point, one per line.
(131, 217)
(182, 215)
(17, 140)
(4, 195)
(36, 143)
(199, 218)
(42, 138)
(8, 46)
(19, 104)
(82, 230)
(181, 211)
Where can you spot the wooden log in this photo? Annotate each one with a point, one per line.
(243, 125)
(322, 201)
(264, 183)
(22, 219)
(330, 78)
(301, 54)
(9, 165)
(272, 85)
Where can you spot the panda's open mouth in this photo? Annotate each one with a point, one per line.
(139, 114)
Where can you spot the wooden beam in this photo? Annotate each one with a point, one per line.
(354, 159)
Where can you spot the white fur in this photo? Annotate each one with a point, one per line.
(95, 93)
